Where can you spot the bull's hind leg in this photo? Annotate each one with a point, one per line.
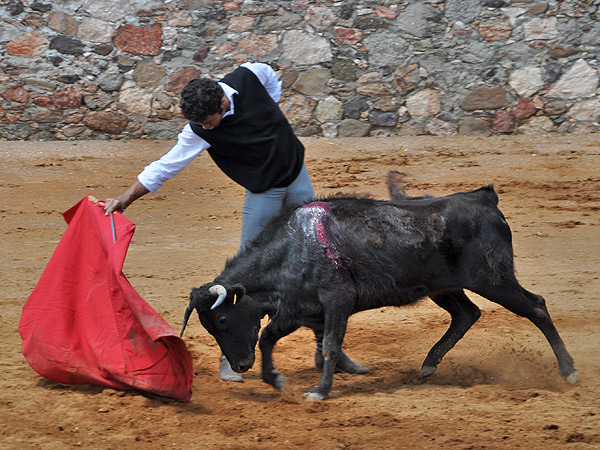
(464, 314)
(268, 338)
(526, 304)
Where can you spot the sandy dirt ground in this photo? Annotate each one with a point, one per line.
(499, 388)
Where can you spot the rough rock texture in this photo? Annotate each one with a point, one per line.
(348, 67)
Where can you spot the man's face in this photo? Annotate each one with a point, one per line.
(211, 121)
(214, 120)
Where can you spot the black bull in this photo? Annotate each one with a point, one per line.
(324, 261)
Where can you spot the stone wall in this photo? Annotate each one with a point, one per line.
(98, 69)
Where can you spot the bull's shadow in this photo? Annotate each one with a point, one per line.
(529, 371)
(387, 378)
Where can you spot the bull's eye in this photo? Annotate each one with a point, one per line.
(222, 322)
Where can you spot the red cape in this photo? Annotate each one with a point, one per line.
(85, 324)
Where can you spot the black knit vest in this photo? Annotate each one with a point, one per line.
(256, 146)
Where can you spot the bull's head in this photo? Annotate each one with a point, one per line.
(232, 317)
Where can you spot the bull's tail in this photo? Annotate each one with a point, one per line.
(394, 184)
(396, 190)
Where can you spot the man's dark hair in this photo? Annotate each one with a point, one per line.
(200, 98)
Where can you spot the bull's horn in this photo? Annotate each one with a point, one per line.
(186, 317)
(219, 290)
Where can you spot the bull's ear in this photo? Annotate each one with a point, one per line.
(238, 292)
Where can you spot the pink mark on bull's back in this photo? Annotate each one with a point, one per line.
(315, 212)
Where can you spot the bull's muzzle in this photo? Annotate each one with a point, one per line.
(243, 366)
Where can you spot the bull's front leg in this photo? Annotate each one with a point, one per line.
(335, 329)
(268, 338)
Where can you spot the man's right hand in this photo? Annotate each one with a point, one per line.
(135, 191)
(113, 204)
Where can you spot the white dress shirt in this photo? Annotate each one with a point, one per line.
(189, 145)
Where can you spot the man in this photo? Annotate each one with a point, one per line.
(238, 122)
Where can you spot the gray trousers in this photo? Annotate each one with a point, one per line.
(259, 208)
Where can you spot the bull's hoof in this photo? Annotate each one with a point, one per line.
(275, 379)
(315, 394)
(280, 382)
(573, 377)
(426, 371)
(344, 365)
